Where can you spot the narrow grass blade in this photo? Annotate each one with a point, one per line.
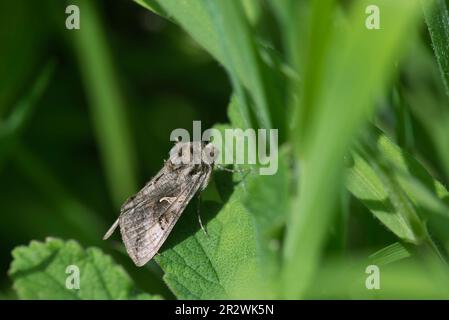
(26, 106)
(13, 126)
(106, 103)
(346, 99)
(223, 29)
(239, 51)
(437, 19)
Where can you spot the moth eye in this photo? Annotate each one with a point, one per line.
(212, 153)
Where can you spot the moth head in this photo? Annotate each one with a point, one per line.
(197, 152)
(180, 153)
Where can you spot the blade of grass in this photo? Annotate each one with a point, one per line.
(385, 179)
(106, 103)
(11, 128)
(402, 205)
(346, 99)
(194, 17)
(26, 106)
(435, 119)
(404, 127)
(389, 254)
(416, 181)
(239, 50)
(223, 29)
(437, 19)
(152, 5)
(365, 184)
(316, 48)
(243, 102)
(289, 13)
(252, 10)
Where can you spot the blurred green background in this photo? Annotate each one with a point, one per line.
(140, 78)
(85, 118)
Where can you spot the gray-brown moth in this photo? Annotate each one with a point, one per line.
(147, 218)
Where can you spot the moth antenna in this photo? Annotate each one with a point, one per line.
(242, 172)
(111, 230)
(222, 168)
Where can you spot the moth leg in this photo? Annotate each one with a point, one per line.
(219, 167)
(199, 216)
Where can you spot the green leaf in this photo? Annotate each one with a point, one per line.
(220, 265)
(222, 28)
(288, 13)
(424, 190)
(267, 200)
(235, 115)
(240, 53)
(397, 194)
(39, 272)
(253, 10)
(152, 5)
(375, 189)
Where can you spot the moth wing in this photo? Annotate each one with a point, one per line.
(146, 224)
(138, 199)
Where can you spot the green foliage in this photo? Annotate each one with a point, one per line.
(363, 162)
(106, 102)
(395, 187)
(219, 265)
(348, 88)
(403, 278)
(267, 201)
(39, 271)
(437, 16)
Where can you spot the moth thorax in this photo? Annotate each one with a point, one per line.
(188, 153)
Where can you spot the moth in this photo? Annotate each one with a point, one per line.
(147, 218)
